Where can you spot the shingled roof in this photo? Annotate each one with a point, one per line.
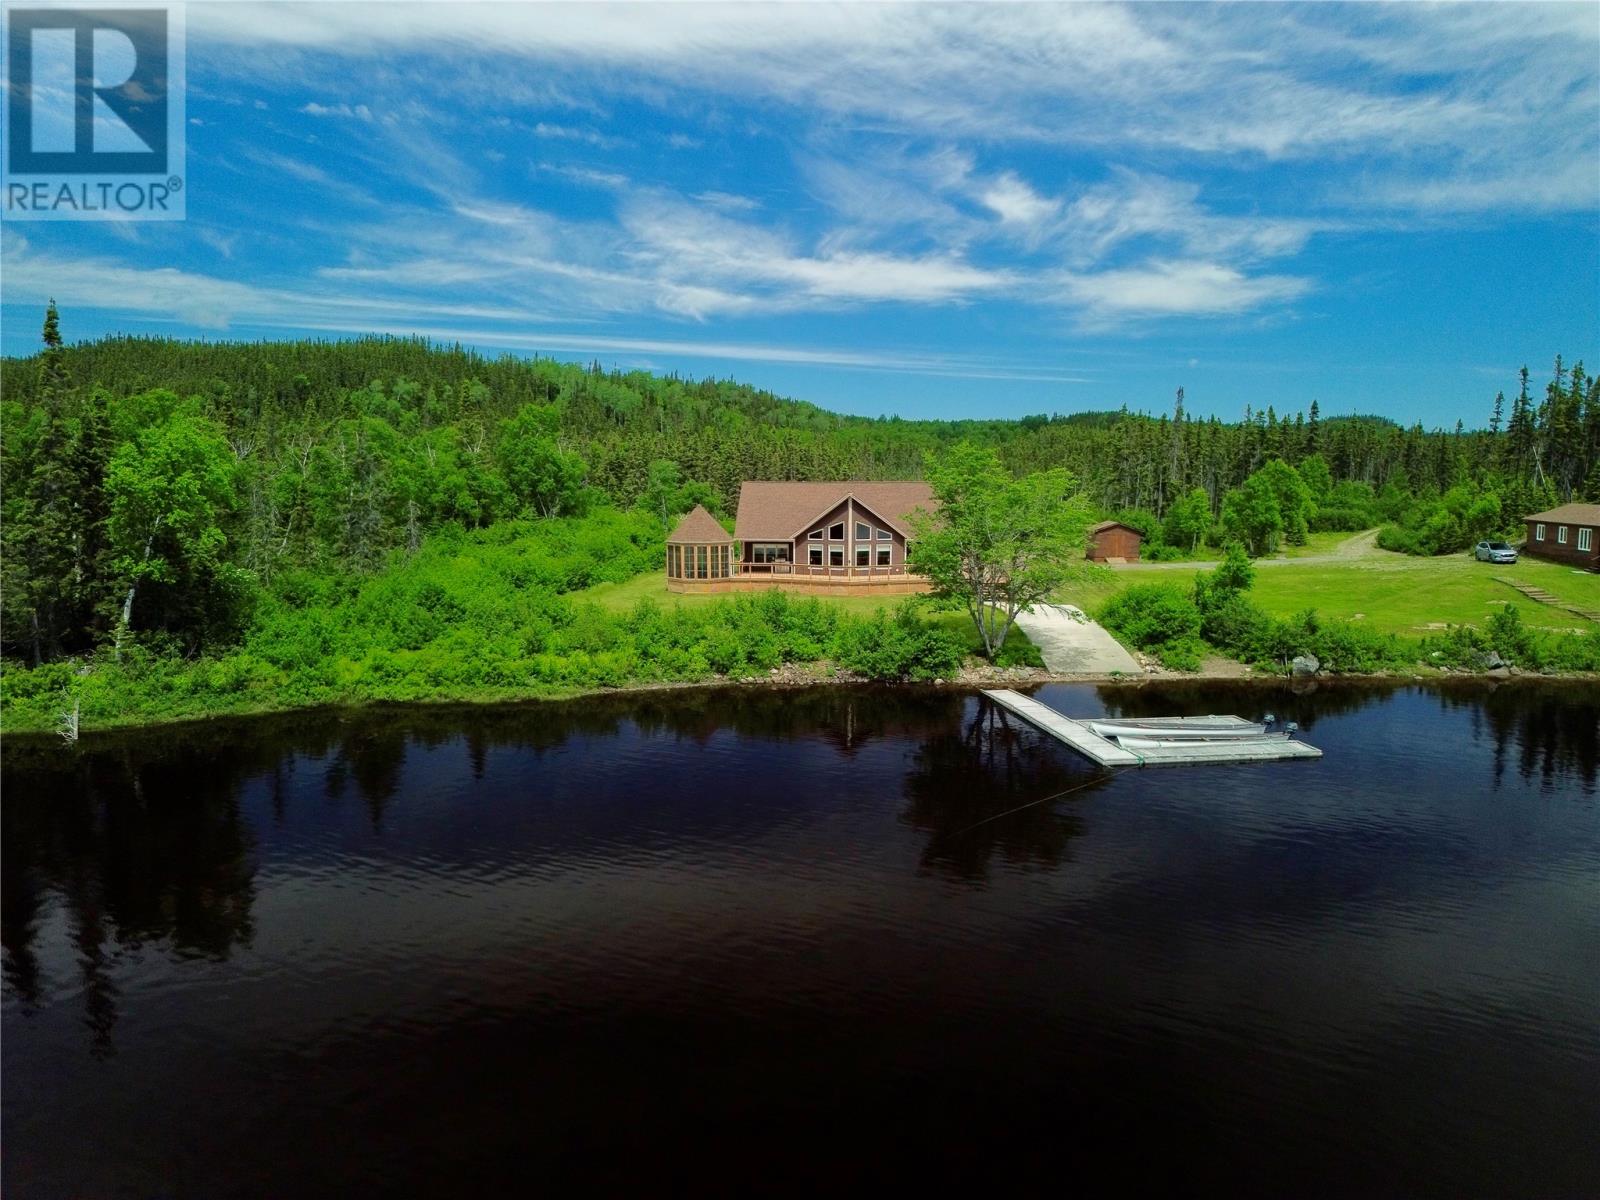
(778, 511)
(699, 528)
(1572, 514)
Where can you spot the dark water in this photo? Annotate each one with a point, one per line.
(761, 941)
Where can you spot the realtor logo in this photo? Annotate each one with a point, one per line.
(94, 114)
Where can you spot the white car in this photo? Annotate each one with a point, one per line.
(1495, 552)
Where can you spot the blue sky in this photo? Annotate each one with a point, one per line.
(932, 211)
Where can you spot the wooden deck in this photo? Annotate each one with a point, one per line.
(1108, 754)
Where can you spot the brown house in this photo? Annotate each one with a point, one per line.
(806, 536)
(1569, 534)
(1114, 540)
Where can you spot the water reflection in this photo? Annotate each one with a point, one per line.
(393, 942)
(139, 838)
(137, 848)
(1548, 729)
(993, 785)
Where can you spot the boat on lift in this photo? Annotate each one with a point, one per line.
(1187, 732)
(1140, 744)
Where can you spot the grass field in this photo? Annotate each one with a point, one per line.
(1395, 593)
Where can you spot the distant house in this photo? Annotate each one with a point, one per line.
(1569, 534)
(804, 536)
(1114, 540)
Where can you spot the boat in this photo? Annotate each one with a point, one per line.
(1129, 742)
(1232, 731)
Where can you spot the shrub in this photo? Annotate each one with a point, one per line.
(1163, 552)
(1183, 654)
(1149, 614)
(897, 647)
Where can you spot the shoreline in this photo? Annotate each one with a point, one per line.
(793, 677)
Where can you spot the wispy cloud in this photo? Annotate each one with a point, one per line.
(1281, 83)
(359, 112)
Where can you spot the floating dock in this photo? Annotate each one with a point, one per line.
(1109, 754)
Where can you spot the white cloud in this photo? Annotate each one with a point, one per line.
(585, 175)
(1016, 203)
(1168, 288)
(569, 133)
(1458, 88)
(359, 112)
(727, 202)
(166, 294)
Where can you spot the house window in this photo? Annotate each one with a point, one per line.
(815, 535)
(884, 535)
(1584, 536)
(836, 532)
(1561, 534)
(863, 532)
(863, 557)
(883, 556)
(816, 556)
(700, 562)
(836, 558)
(1538, 532)
(771, 553)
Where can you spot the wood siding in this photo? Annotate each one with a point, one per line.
(1551, 547)
(1117, 542)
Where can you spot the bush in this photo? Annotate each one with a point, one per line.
(1163, 552)
(1148, 614)
(1158, 618)
(897, 647)
(1234, 625)
(1184, 654)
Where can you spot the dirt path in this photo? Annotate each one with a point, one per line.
(1361, 545)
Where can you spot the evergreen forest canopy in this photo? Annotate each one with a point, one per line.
(162, 493)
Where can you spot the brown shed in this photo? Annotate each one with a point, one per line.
(1569, 534)
(1113, 539)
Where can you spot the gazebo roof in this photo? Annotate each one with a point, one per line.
(699, 528)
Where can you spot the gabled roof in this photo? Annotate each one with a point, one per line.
(1104, 525)
(699, 528)
(1572, 514)
(781, 510)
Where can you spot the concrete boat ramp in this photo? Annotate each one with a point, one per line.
(1109, 754)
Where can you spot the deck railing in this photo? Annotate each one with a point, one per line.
(807, 571)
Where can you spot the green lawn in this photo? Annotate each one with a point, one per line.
(1396, 593)
(619, 597)
(1316, 543)
(1392, 592)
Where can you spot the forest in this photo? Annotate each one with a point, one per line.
(169, 499)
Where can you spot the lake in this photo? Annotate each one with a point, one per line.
(764, 940)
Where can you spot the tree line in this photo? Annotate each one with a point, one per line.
(157, 489)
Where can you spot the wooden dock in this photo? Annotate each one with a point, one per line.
(1108, 753)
